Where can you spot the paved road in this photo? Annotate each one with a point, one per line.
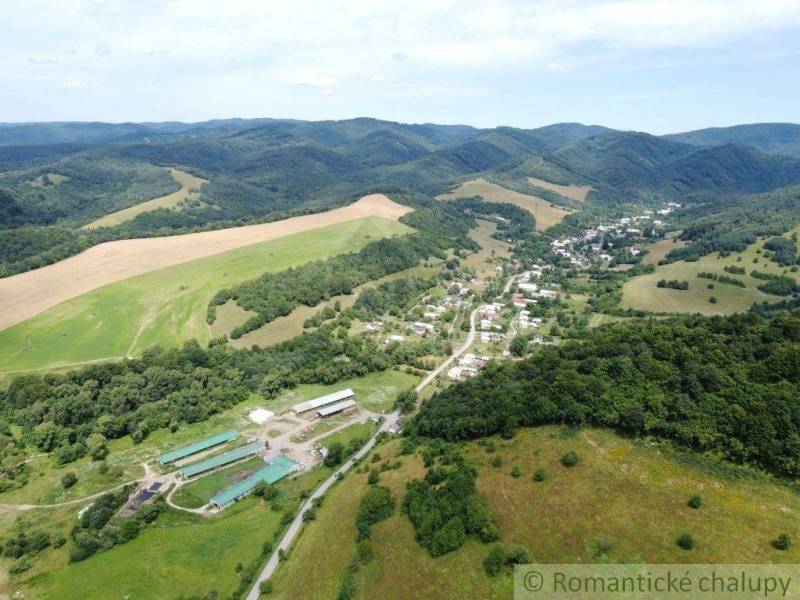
(389, 423)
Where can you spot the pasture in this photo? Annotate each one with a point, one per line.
(190, 190)
(642, 293)
(545, 213)
(27, 294)
(573, 191)
(625, 501)
(167, 306)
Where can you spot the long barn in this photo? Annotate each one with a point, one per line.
(317, 403)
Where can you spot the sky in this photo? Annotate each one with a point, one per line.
(651, 65)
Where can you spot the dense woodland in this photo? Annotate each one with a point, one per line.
(723, 385)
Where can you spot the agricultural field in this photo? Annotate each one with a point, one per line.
(660, 249)
(573, 191)
(645, 491)
(27, 294)
(545, 213)
(167, 306)
(642, 293)
(190, 190)
(483, 261)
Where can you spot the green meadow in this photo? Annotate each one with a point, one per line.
(167, 306)
(642, 293)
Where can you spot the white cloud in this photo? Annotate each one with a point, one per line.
(102, 49)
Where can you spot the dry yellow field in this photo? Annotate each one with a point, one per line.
(546, 214)
(190, 186)
(660, 250)
(573, 191)
(27, 294)
(55, 179)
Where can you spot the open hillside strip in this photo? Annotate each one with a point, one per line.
(27, 294)
(723, 385)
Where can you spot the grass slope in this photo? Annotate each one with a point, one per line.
(166, 306)
(190, 186)
(642, 293)
(630, 495)
(546, 214)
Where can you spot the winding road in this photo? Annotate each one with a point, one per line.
(389, 423)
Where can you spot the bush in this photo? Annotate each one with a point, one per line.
(22, 565)
(539, 474)
(570, 459)
(783, 542)
(68, 480)
(516, 472)
(713, 299)
(695, 502)
(685, 541)
(373, 477)
(494, 561)
(497, 462)
(265, 587)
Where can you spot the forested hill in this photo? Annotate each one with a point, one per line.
(775, 138)
(57, 177)
(730, 386)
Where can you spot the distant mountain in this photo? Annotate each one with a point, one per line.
(773, 138)
(640, 164)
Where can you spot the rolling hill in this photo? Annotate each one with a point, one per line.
(773, 138)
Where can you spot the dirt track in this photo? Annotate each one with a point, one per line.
(27, 294)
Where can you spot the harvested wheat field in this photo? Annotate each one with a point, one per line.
(546, 214)
(190, 190)
(27, 294)
(573, 191)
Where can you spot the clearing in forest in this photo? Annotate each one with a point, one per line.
(190, 190)
(27, 294)
(546, 214)
(573, 191)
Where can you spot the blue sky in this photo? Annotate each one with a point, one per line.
(658, 66)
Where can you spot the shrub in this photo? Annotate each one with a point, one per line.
(373, 477)
(685, 541)
(713, 299)
(515, 472)
(265, 587)
(540, 474)
(570, 459)
(783, 542)
(68, 480)
(494, 561)
(695, 502)
(497, 462)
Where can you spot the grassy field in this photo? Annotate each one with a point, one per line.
(641, 292)
(625, 501)
(573, 191)
(166, 306)
(190, 190)
(199, 492)
(483, 261)
(546, 214)
(660, 249)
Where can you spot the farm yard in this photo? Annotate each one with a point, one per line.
(189, 191)
(546, 214)
(167, 306)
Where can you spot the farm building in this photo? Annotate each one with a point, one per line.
(221, 460)
(259, 416)
(184, 451)
(316, 403)
(334, 409)
(279, 468)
